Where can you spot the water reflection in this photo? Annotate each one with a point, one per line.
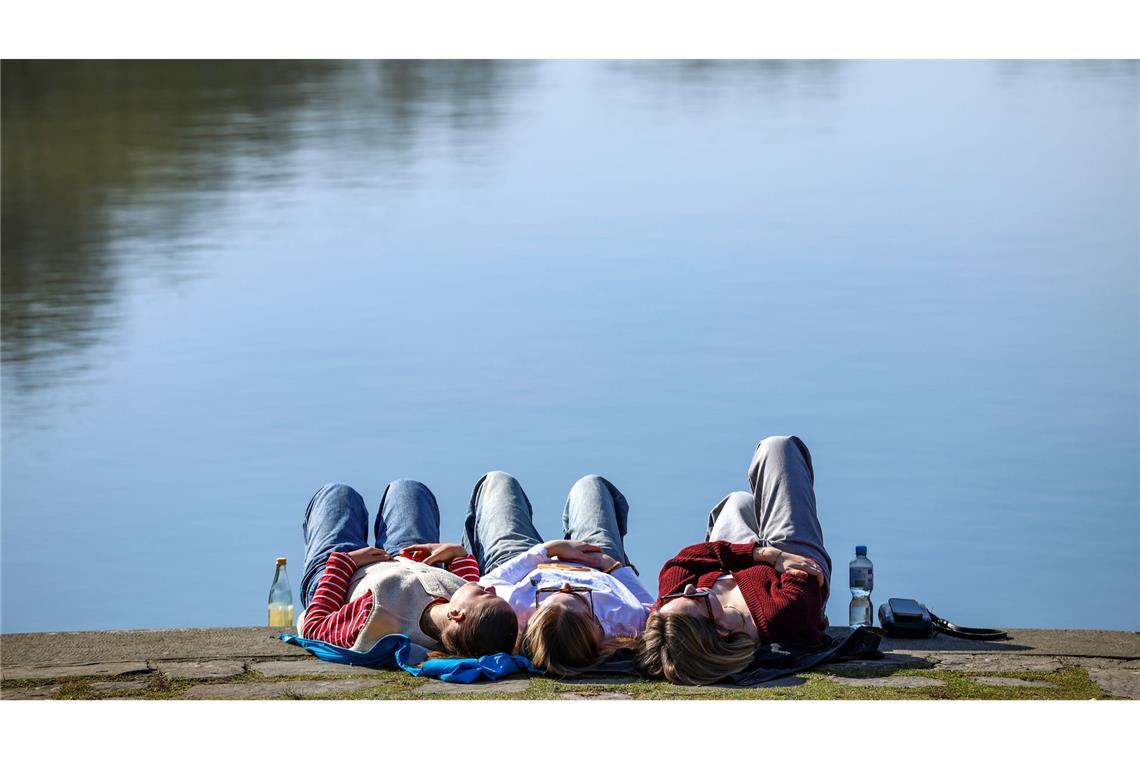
(109, 165)
(1119, 73)
(771, 78)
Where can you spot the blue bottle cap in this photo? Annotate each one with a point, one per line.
(860, 551)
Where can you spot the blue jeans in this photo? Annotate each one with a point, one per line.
(500, 519)
(336, 520)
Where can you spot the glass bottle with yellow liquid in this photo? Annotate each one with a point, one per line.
(281, 598)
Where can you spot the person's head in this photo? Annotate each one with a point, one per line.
(692, 640)
(563, 637)
(478, 623)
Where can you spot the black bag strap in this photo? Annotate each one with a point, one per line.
(963, 632)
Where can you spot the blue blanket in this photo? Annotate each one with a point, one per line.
(399, 651)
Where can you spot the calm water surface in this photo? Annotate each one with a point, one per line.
(225, 284)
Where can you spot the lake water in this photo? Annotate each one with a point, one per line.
(225, 284)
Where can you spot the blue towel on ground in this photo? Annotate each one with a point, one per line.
(398, 650)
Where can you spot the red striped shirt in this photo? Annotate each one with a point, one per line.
(329, 618)
(465, 567)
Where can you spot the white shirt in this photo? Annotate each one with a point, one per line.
(621, 603)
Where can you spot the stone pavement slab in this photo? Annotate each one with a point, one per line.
(986, 662)
(72, 671)
(1111, 657)
(311, 667)
(202, 670)
(86, 647)
(1101, 662)
(600, 680)
(509, 686)
(263, 690)
(1038, 641)
(888, 664)
(898, 682)
(1118, 683)
(777, 683)
(29, 692)
(109, 687)
(155, 644)
(998, 681)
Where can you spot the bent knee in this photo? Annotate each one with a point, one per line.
(406, 484)
(338, 491)
(498, 478)
(778, 442)
(740, 500)
(589, 482)
(735, 501)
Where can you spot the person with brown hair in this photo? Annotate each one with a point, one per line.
(579, 598)
(355, 594)
(762, 575)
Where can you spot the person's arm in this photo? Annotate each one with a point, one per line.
(624, 575)
(796, 611)
(466, 567)
(521, 565)
(328, 618)
(795, 565)
(518, 567)
(454, 558)
(700, 559)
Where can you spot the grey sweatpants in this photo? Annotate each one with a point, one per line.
(780, 511)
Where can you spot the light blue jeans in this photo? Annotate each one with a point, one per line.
(780, 511)
(500, 519)
(336, 520)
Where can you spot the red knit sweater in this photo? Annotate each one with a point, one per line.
(786, 608)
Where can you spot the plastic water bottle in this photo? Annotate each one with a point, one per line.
(281, 598)
(862, 581)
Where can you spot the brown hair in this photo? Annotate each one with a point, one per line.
(689, 650)
(564, 642)
(486, 629)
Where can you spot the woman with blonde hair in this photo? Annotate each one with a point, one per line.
(762, 575)
(577, 599)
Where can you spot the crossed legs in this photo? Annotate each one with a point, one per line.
(780, 511)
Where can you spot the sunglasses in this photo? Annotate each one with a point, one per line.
(584, 593)
(702, 595)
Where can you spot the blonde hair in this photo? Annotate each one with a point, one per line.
(564, 642)
(689, 650)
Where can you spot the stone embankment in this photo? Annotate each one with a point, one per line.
(250, 663)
